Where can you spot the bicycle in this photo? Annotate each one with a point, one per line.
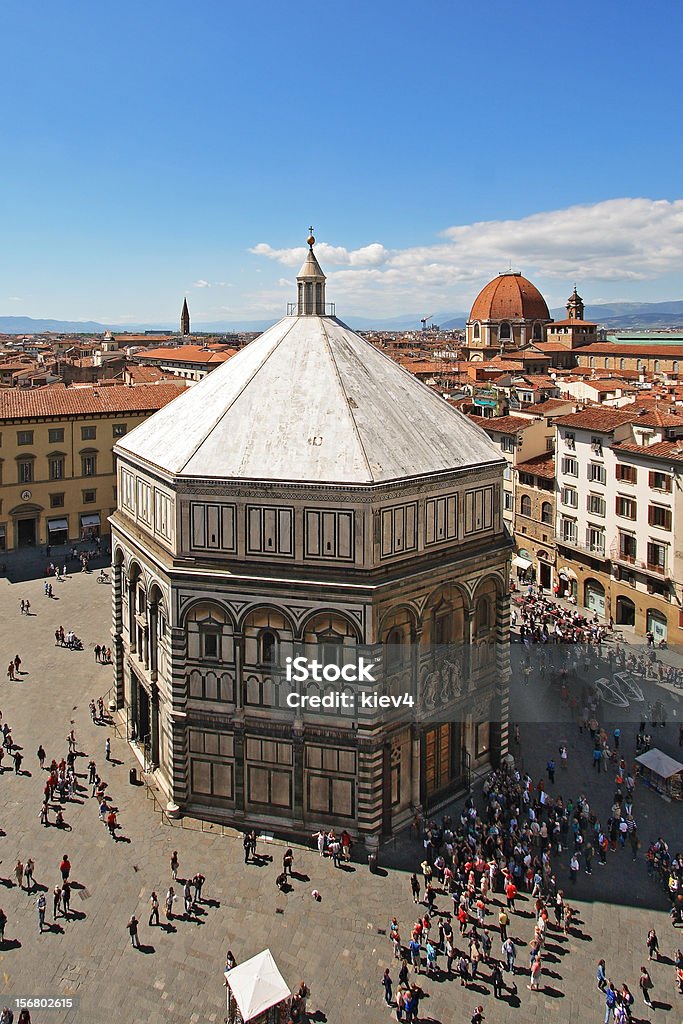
(104, 577)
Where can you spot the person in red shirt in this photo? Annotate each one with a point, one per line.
(65, 867)
(511, 893)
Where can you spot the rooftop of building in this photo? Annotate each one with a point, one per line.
(189, 354)
(670, 451)
(510, 296)
(541, 465)
(505, 424)
(597, 418)
(92, 399)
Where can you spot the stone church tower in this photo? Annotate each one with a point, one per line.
(185, 320)
(310, 497)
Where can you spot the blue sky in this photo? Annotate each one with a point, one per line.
(157, 149)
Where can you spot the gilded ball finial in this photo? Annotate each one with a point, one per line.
(311, 239)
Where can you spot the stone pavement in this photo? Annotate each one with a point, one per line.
(338, 945)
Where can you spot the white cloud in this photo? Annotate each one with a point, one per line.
(14, 298)
(201, 283)
(617, 240)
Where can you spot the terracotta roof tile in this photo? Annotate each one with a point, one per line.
(504, 424)
(16, 404)
(509, 297)
(541, 465)
(672, 451)
(601, 419)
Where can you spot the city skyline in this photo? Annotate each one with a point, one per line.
(158, 153)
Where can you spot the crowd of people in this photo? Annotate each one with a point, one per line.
(513, 848)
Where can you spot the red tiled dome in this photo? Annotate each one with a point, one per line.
(510, 297)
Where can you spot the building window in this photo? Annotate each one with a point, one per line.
(656, 365)
(505, 332)
(597, 474)
(56, 466)
(660, 481)
(596, 504)
(26, 472)
(570, 440)
(675, 366)
(547, 513)
(627, 547)
(595, 539)
(626, 507)
(55, 435)
(507, 501)
(507, 444)
(570, 497)
(525, 505)
(568, 531)
(526, 479)
(89, 497)
(56, 501)
(476, 334)
(570, 467)
(622, 364)
(629, 474)
(656, 556)
(267, 647)
(3, 537)
(24, 437)
(88, 433)
(119, 429)
(89, 465)
(210, 644)
(659, 516)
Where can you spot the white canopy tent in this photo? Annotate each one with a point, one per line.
(255, 986)
(662, 773)
(660, 763)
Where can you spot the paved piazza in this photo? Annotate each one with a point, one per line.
(336, 945)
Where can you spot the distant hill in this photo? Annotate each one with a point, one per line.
(628, 315)
(617, 315)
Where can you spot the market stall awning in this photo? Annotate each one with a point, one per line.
(54, 525)
(521, 563)
(257, 985)
(660, 763)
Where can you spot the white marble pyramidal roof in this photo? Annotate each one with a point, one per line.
(309, 401)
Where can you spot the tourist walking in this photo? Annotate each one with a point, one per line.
(387, 983)
(154, 909)
(40, 907)
(133, 931)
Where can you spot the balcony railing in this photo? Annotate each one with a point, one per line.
(637, 563)
(593, 550)
(293, 309)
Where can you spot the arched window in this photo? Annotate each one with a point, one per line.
(591, 362)
(622, 364)
(547, 513)
(674, 368)
(538, 332)
(607, 362)
(525, 505)
(505, 332)
(267, 647)
(476, 333)
(641, 367)
(656, 365)
(483, 616)
(394, 649)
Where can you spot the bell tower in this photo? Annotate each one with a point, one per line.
(185, 320)
(575, 306)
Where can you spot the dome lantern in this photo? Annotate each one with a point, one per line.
(310, 284)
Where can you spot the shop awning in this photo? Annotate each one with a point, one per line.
(660, 763)
(54, 525)
(521, 563)
(91, 520)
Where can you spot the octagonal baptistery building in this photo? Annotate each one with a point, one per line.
(309, 493)
(508, 313)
